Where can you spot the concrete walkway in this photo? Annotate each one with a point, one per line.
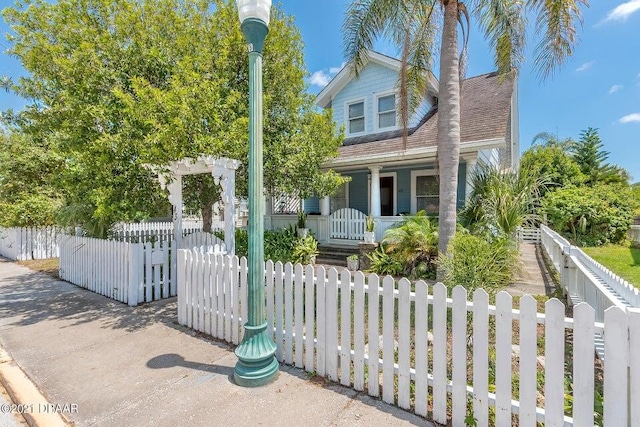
(123, 366)
(533, 278)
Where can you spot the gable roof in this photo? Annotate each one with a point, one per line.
(346, 74)
(484, 120)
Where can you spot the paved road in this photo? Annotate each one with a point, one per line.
(126, 366)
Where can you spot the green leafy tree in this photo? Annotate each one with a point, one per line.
(412, 26)
(591, 216)
(553, 165)
(27, 197)
(124, 85)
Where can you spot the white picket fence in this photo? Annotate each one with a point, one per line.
(21, 244)
(337, 325)
(586, 280)
(348, 224)
(155, 231)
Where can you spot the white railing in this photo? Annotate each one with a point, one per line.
(528, 235)
(347, 224)
(21, 244)
(132, 273)
(584, 279)
(336, 325)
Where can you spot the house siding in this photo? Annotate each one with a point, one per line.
(358, 197)
(374, 78)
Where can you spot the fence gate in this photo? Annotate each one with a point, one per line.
(347, 224)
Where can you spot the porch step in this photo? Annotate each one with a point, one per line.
(335, 255)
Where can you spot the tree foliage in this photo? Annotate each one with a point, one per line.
(554, 165)
(123, 85)
(27, 198)
(591, 216)
(588, 153)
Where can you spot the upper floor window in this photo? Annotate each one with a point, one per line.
(386, 111)
(356, 117)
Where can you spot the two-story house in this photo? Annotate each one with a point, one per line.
(388, 180)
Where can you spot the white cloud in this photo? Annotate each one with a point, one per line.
(623, 11)
(319, 78)
(630, 118)
(615, 88)
(336, 70)
(322, 78)
(585, 66)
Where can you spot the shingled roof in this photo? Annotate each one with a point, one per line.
(484, 115)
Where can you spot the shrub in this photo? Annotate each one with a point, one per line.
(413, 244)
(591, 216)
(278, 244)
(305, 250)
(383, 263)
(479, 263)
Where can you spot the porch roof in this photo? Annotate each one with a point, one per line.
(484, 120)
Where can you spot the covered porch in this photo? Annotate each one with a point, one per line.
(389, 193)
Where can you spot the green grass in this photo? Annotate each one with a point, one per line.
(622, 260)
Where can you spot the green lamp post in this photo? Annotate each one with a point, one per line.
(257, 364)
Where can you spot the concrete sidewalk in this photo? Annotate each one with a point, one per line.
(126, 366)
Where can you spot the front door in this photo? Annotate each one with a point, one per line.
(386, 196)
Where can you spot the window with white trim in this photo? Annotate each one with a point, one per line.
(356, 117)
(386, 111)
(427, 194)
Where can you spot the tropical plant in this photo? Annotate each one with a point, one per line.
(413, 243)
(412, 26)
(501, 202)
(305, 250)
(370, 224)
(302, 220)
(352, 257)
(383, 263)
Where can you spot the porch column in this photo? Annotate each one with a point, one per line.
(325, 206)
(375, 190)
(471, 167)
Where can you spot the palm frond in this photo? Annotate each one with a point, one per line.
(556, 22)
(366, 20)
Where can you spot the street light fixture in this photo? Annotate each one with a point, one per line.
(257, 364)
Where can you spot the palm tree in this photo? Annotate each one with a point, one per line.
(412, 26)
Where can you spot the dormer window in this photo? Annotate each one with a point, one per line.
(386, 111)
(356, 117)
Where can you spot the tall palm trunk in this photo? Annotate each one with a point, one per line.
(448, 126)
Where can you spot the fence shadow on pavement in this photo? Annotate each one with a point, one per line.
(33, 297)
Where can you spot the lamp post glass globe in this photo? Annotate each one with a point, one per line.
(256, 364)
(257, 9)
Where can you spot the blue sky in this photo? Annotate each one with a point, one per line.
(598, 87)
